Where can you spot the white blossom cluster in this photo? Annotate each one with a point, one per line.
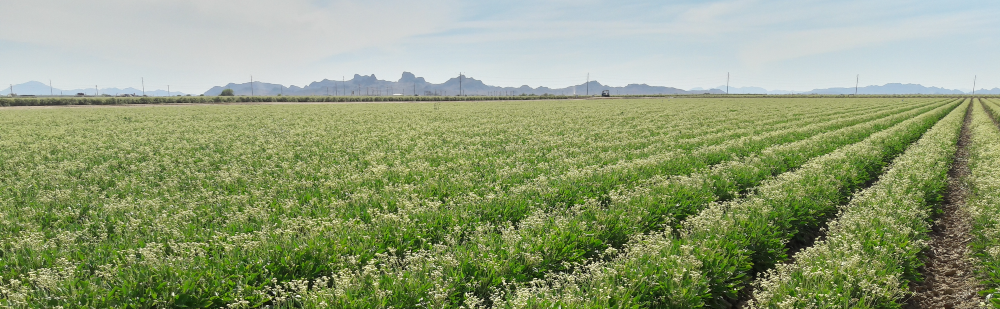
(876, 240)
(389, 205)
(631, 212)
(731, 237)
(984, 201)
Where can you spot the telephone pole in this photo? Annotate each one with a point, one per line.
(51, 91)
(459, 83)
(727, 82)
(857, 79)
(251, 85)
(11, 90)
(974, 84)
(168, 90)
(143, 79)
(97, 92)
(588, 84)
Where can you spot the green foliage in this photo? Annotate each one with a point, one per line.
(872, 250)
(226, 93)
(452, 204)
(984, 201)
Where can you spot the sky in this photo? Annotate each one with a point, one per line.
(193, 45)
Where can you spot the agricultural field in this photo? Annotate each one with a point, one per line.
(623, 203)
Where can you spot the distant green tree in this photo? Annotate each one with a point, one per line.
(227, 93)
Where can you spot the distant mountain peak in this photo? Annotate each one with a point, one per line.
(410, 84)
(410, 78)
(43, 89)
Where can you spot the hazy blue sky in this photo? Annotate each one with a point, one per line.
(791, 45)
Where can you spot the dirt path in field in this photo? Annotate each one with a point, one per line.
(949, 278)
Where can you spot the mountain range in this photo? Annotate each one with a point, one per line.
(410, 84)
(891, 88)
(42, 89)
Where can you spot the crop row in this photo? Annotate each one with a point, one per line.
(873, 249)
(983, 203)
(549, 241)
(153, 198)
(416, 227)
(725, 244)
(516, 163)
(500, 250)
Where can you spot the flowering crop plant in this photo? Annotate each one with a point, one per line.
(624, 203)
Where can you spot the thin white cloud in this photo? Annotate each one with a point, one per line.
(199, 43)
(218, 34)
(791, 44)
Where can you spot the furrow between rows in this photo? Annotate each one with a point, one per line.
(551, 242)
(872, 250)
(984, 200)
(722, 247)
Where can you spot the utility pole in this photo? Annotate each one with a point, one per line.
(459, 83)
(11, 90)
(97, 92)
(168, 90)
(857, 79)
(143, 79)
(727, 82)
(588, 84)
(974, 84)
(53, 92)
(251, 85)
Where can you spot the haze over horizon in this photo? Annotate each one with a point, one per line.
(788, 45)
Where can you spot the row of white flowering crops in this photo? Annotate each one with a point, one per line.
(872, 249)
(984, 200)
(624, 203)
(552, 240)
(718, 250)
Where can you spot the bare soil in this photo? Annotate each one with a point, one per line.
(950, 280)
